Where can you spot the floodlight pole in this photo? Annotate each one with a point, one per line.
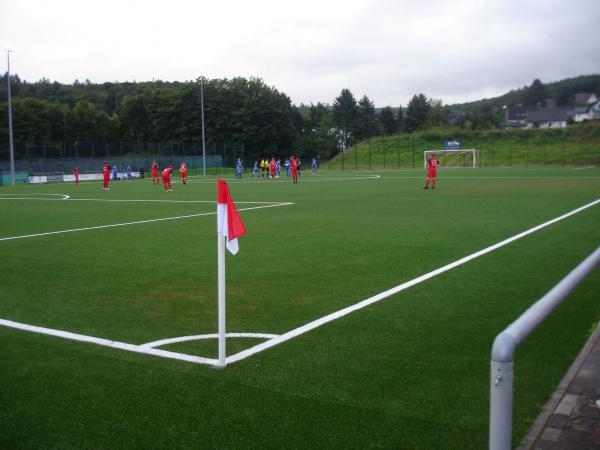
(10, 126)
(203, 141)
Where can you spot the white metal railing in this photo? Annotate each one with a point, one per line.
(505, 344)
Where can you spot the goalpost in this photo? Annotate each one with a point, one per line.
(466, 158)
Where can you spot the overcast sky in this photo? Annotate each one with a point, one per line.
(453, 50)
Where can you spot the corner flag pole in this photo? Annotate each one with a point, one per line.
(221, 292)
(229, 228)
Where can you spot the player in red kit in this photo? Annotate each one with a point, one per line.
(166, 178)
(294, 167)
(76, 173)
(154, 168)
(432, 165)
(106, 174)
(183, 170)
(272, 168)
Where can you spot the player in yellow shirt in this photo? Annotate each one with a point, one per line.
(264, 165)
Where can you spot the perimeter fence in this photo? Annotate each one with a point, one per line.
(535, 150)
(38, 158)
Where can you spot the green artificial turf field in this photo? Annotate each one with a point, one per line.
(410, 371)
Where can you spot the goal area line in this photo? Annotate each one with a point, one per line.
(274, 341)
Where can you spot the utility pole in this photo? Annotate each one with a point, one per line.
(10, 126)
(203, 141)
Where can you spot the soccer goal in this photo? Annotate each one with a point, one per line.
(466, 158)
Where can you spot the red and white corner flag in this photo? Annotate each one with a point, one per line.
(229, 221)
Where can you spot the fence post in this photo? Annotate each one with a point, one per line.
(505, 345)
(413, 149)
(398, 151)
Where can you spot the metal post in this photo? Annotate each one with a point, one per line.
(413, 149)
(398, 151)
(10, 124)
(505, 345)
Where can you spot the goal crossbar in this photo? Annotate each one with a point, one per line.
(468, 157)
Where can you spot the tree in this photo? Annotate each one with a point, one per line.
(563, 97)
(437, 116)
(400, 119)
(317, 136)
(388, 121)
(344, 114)
(416, 112)
(535, 94)
(367, 123)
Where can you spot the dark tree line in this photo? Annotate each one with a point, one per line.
(240, 109)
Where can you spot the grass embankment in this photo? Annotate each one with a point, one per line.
(576, 145)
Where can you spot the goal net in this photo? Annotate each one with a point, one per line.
(466, 158)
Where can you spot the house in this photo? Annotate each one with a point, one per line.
(585, 98)
(589, 112)
(516, 116)
(579, 114)
(594, 111)
(551, 116)
(547, 118)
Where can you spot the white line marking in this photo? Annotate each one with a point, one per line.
(166, 201)
(343, 312)
(583, 168)
(67, 197)
(109, 343)
(147, 349)
(385, 177)
(29, 197)
(301, 179)
(98, 227)
(176, 340)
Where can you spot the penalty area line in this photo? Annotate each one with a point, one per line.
(138, 222)
(376, 298)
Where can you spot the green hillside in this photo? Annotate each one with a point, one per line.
(576, 145)
(560, 91)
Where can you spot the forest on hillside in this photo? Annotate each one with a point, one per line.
(240, 110)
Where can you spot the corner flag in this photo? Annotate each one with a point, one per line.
(228, 219)
(229, 227)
